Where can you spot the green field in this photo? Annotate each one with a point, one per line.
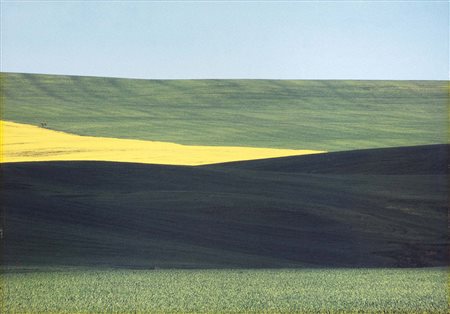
(318, 115)
(227, 291)
(360, 229)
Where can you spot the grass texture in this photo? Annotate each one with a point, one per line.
(227, 291)
(312, 115)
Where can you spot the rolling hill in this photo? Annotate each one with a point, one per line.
(426, 160)
(384, 207)
(372, 208)
(311, 115)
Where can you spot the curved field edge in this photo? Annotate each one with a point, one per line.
(26, 143)
(291, 114)
(331, 290)
(273, 215)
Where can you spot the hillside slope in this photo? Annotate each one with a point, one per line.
(134, 215)
(313, 115)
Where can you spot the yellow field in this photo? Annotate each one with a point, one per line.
(23, 142)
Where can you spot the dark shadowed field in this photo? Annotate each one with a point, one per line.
(371, 208)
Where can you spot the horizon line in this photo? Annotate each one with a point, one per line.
(223, 79)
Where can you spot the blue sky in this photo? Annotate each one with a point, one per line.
(181, 40)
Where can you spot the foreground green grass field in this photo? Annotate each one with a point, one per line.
(317, 115)
(227, 291)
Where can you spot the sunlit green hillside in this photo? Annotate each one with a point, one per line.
(318, 115)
